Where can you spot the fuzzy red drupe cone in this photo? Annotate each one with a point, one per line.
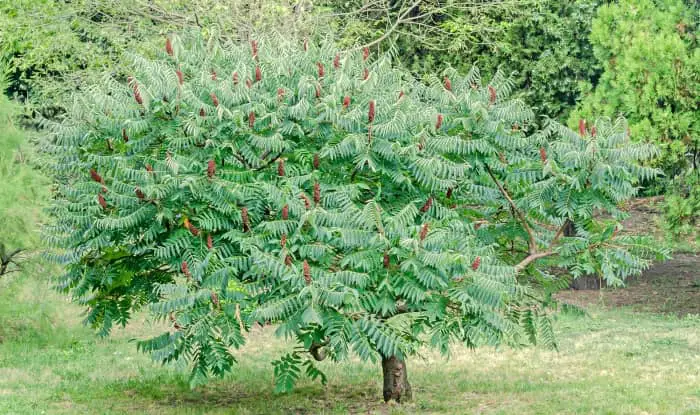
(438, 124)
(251, 119)
(448, 84)
(593, 131)
(280, 168)
(211, 168)
(248, 83)
(149, 168)
(346, 102)
(283, 240)
(137, 94)
(280, 94)
(139, 193)
(210, 242)
(543, 155)
(317, 161)
(180, 77)
(168, 47)
(365, 53)
(194, 230)
(258, 74)
(285, 212)
(370, 113)
(214, 99)
(104, 189)
(336, 61)
(202, 113)
(401, 95)
(365, 74)
(321, 69)
(424, 231)
(582, 128)
(288, 260)
(96, 177)
(318, 91)
(427, 205)
(254, 48)
(492, 95)
(124, 136)
(101, 201)
(307, 202)
(245, 219)
(387, 261)
(235, 78)
(476, 263)
(213, 75)
(185, 269)
(215, 299)
(449, 193)
(307, 273)
(317, 193)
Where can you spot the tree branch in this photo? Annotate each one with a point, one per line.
(532, 244)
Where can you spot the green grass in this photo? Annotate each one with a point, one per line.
(615, 361)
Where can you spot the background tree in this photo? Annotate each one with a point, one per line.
(333, 195)
(651, 65)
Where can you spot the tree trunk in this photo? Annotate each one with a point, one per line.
(396, 384)
(584, 282)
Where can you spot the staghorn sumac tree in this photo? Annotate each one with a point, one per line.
(330, 194)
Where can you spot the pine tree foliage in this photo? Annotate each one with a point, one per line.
(361, 211)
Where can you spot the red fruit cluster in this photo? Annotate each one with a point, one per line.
(210, 242)
(213, 75)
(124, 136)
(543, 155)
(245, 219)
(285, 212)
(449, 193)
(387, 261)
(149, 168)
(321, 69)
(401, 95)
(424, 231)
(215, 299)
(427, 205)
(476, 263)
(185, 269)
(202, 113)
(288, 260)
(280, 168)
(448, 84)
(365, 53)
(317, 161)
(258, 74)
(307, 202)
(593, 131)
(370, 113)
(365, 74)
(101, 201)
(280, 94)
(251, 119)
(214, 99)
(582, 128)
(318, 91)
(336, 61)
(96, 177)
(211, 168)
(492, 95)
(346, 102)
(180, 77)
(317, 193)
(168, 47)
(137, 94)
(139, 193)
(235, 78)
(283, 240)
(438, 124)
(307, 273)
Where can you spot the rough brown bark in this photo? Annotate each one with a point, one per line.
(396, 384)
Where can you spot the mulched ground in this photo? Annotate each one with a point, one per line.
(670, 287)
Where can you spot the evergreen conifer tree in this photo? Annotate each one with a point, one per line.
(333, 195)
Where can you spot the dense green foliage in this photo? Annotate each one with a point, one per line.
(651, 75)
(332, 194)
(544, 42)
(682, 208)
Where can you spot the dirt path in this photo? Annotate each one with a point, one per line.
(669, 287)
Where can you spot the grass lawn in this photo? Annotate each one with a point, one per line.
(615, 361)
